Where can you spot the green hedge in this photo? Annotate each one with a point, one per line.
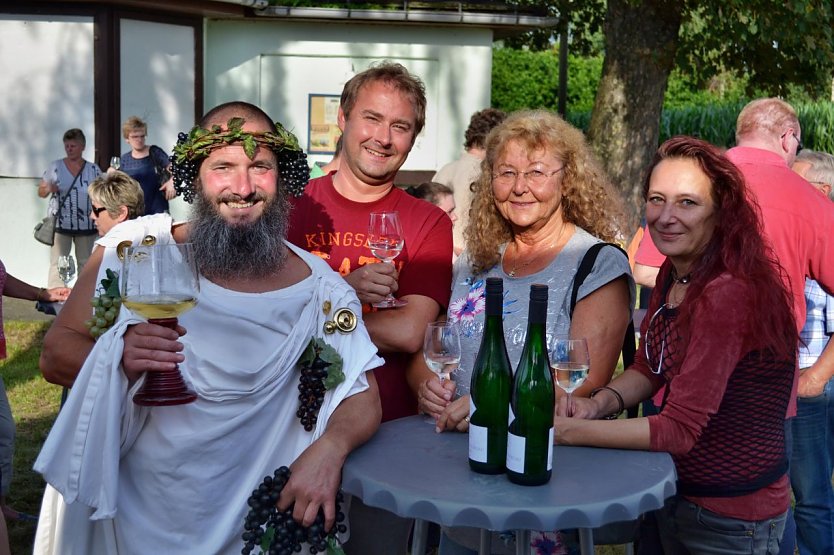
(525, 79)
(717, 123)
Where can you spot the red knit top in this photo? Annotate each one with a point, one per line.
(723, 416)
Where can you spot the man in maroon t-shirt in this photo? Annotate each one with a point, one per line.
(381, 112)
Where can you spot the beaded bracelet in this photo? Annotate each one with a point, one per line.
(39, 296)
(620, 402)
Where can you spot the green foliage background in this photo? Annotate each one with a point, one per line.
(528, 79)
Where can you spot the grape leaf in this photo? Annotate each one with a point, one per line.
(110, 284)
(309, 354)
(235, 124)
(267, 538)
(335, 376)
(334, 547)
(250, 146)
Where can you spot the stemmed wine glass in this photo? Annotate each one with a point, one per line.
(441, 349)
(570, 362)
(385, 238)
(116, 162)
(160, 282)
(66, 268)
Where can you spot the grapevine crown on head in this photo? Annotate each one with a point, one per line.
(193, 148)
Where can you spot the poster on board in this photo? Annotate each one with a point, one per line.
(323, 126)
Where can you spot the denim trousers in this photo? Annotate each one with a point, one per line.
(687, 528)
(812, 464)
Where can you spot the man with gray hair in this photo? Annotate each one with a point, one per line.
(818, 169)
(796, 219)
(812, 460)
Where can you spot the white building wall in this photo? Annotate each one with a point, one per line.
(276, 65)
(47, 69)
(47, 64)
(157, 62)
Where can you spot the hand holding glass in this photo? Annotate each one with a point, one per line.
(385, 238)
(160, 282)
(570, 362)
(441, 349)
(66, 268)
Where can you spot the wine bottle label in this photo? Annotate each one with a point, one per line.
(516, 448)
(477, 437)
(515, 452)
(477, 443)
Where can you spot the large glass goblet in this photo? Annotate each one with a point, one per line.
(160, 282)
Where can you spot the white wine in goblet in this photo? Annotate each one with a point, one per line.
(160, 282)
(386, 241)
(441, 350)
(570, 362)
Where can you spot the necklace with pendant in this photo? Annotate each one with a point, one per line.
(684, 279)
(518, 267)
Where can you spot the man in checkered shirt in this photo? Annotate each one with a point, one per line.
(812, 462)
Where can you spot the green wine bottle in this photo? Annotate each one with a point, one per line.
(530, 437)
(489, 392)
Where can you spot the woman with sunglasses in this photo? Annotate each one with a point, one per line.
(720, 334)
(115, 197)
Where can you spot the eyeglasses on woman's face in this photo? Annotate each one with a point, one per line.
(535, 176)
(98, 210)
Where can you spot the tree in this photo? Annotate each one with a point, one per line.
(625, 123)
(775, 44)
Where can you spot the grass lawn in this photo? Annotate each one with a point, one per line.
(34, 405)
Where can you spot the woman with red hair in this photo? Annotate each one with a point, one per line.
(720, 334)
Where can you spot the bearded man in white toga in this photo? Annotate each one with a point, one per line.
(176, 479)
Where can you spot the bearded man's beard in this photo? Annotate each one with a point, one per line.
(242, 250)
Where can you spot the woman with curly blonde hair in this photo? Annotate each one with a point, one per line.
(588, 199)
(541, 203)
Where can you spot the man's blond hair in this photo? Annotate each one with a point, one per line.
(765, 116)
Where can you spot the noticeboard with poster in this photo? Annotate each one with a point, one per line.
(323, 125)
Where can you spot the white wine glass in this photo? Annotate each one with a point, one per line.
(441, 349)
(386, 240)
(570, 362)
(66, 268)
(160, 282)
(116, 162)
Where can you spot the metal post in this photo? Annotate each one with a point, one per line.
(586, 541)
(419, 535)
(522, 542)
(485, 544)
(563, 69)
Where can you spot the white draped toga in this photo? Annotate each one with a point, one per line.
(176, 479)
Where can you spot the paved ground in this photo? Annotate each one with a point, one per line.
(17, 309)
